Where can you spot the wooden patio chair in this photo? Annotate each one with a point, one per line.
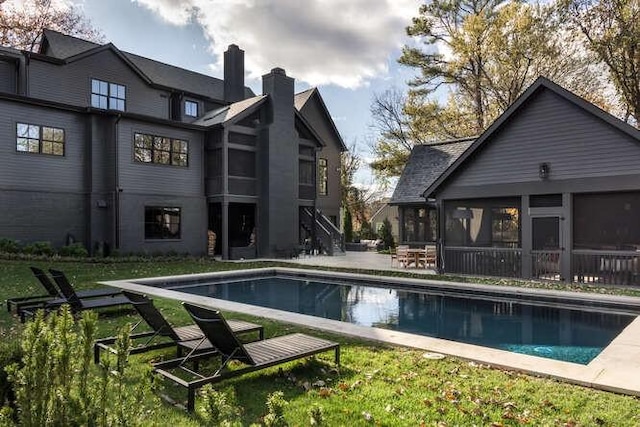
(402, 255)
(430, 256)
(253, 356)
(52, 293)
(165, 334)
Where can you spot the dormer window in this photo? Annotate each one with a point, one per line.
(108, 96)
(191, 108)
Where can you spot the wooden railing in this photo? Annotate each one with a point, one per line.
(606, 267)
(483, 261)
(546, 265)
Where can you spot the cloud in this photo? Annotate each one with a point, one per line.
(316, 41)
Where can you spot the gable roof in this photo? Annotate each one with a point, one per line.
(425, 165)
(301, 99)
(231, 113)
(70, 48)
(540, 84)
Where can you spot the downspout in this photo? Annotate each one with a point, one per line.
(118, 190)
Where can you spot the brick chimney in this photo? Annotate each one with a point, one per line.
(233, 74)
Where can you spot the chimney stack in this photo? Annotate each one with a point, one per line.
(233, 74)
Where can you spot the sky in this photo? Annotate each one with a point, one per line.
(348, 49)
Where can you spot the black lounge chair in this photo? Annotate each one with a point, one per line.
(183, 337)
(53, 293)
(255, 355)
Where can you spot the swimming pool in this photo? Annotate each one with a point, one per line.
(556, 325)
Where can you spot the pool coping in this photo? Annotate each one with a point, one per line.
(616, 368)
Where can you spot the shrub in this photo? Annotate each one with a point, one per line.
(348, 226)
(10, 354)
(218, 408)
(9, 245)
(385, 234)
(275, 407)
(74, 250)
(316, 415)
(39, 248)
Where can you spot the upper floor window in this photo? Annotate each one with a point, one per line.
(323, 177)
(191, 108)
(39, 139)
(161, 222)
(109, 96)
(161, 150)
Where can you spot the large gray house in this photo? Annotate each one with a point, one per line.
(121, 152)
(550, 190)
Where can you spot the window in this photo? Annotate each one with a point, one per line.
(39, 139)
(323, 177)
(161, 150)
(161, 223)
(191, 108)
(419, 225)
(505, 224)
(305, 172)
(109, 96)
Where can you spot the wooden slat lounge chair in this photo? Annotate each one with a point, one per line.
(181, 337)
(71, 298)
(53, 293)
(255, 355)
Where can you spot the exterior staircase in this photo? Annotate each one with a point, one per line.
(328, 236)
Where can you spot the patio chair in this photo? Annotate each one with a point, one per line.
(402, 255)
(72, 298)
(53, 293)
(162, 329)
(254, 356)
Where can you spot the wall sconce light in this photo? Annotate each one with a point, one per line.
(544, 170)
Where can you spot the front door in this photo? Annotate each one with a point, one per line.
(546, 247)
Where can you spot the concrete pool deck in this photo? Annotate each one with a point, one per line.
(616, 368)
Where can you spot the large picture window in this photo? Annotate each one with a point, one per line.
(160, 150)
(161, 222)
(108, 96)
(419, 225)
(483, 223)
(323, 177)
(39, 139)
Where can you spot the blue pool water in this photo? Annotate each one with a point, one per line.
(569, 334)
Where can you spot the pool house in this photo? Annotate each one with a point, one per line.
(551, 190)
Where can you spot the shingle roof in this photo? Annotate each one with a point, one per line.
(301, 99)
(229, 112)
(62, 46)
(424, 166)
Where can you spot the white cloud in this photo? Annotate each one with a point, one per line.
(316, 41)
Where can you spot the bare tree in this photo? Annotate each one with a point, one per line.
(21, 25)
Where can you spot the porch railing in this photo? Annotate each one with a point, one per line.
(546, 265)
(504, 262)
(606, 267)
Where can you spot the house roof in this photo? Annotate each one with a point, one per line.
(425, 164)
(67, 47)
(301, 99)
(540, 84)
(231, 113)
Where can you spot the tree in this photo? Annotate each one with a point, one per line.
(386, 235)
(348, 226)
(612, 31)
(21, 25)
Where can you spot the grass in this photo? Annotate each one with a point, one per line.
(375, 384)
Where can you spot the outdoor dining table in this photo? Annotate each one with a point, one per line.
(414, 255)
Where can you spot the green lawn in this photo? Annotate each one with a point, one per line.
(375, 384)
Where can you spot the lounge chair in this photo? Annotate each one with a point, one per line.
(255, 355)
(181, 337)
(53, 293)
(71, 298)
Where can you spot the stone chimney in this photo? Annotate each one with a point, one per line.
(233, 74)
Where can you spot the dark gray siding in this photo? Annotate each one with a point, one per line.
(574, 143)
(8, 76)
(32, 216)
(42, 196)
(193, 224)
(313, 112)
(27, 171)
(71, 83)
(144, 184)
(147, 178)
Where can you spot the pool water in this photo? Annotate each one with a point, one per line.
(568, 334)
